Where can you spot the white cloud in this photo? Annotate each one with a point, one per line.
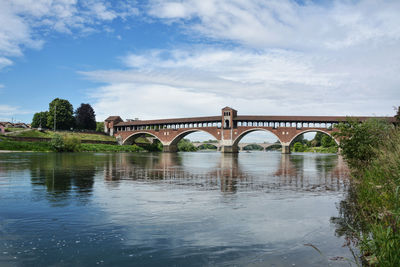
(8, 112)
(200, 81)
(24, 23)
(286, 23)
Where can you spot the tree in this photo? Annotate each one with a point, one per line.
(327, 141)
(358, 141)
(85, 117)
(62, 111)
(397, 116)
(298, 147)
(318, 138)
(40, 119)
(100, 127)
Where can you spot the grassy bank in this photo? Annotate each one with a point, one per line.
(25, 146)
(48, 147)
(370, 215)
(51, 134)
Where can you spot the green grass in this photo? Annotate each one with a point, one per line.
(317, 149)
(378, 202)
(81, 136)
(46, 146)
(110, 148)
(25, 146)
(11, 129)
(371, 210)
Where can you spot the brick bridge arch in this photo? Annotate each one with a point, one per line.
(182, 135)
(246, 132)
(130, 138)
(315, 130)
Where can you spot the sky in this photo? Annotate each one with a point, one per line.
(167, 59)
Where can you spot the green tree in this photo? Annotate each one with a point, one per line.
(358, 141)
(40, 119)
(63, 111)
(100, 127)
(317, 139)
(397, 116)
(186, 145)
(327, 141)
(298, 147)
(85, 117)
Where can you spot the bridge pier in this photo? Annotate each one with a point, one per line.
(229, 149)
(170, 148)
(285, 148)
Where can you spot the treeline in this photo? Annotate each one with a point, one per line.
(321, 143)
(61, 116)
(370, 214)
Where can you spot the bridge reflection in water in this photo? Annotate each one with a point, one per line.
(232, 172)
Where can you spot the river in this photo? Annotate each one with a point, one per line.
(164, 209)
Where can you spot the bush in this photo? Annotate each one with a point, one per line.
(359, 140)
(298, 147)
(71, 144)
(65, 144)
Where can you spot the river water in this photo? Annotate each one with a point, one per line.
(161, 209)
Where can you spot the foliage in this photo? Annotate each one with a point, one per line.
(397, 116)
(85, 117)
(24, 146)
(298, 147)
(100, 127)
(358, 140)
(40, 119)
(253, 147)
(207, 146)
(51, 134)
(64, 115)
(186, 145)
(327, 141)
(110, 148)
(299, 139)
(372, 208)
(156, 146)
(65, 144)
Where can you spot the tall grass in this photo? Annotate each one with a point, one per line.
(371, 211)
(378, 196)
(48, 147)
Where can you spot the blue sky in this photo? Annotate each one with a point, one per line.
(163, 59)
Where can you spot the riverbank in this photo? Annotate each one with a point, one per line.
(21, 146)
(370, 215)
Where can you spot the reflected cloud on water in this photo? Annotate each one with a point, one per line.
(233, 172)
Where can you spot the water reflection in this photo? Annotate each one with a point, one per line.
(230, 172)
(64, 176)
(186, 209)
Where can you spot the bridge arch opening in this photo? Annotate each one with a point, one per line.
(314, 140)
(142, 138)
(257, 138)
(191, 139)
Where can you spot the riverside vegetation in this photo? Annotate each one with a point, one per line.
(370, 214)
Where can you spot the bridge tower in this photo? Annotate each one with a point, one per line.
(227, 126)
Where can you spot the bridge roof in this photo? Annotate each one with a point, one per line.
(167, 121)
(303, 118)
(326, 119)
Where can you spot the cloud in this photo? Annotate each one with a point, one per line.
(26, 23)
(8, 112)
(285, 23)
(200, 81)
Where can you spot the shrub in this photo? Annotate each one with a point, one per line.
(65, 144)
(298, 147)
(57, 143)
(71, 144)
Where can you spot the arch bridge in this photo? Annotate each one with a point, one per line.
(228, 128)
